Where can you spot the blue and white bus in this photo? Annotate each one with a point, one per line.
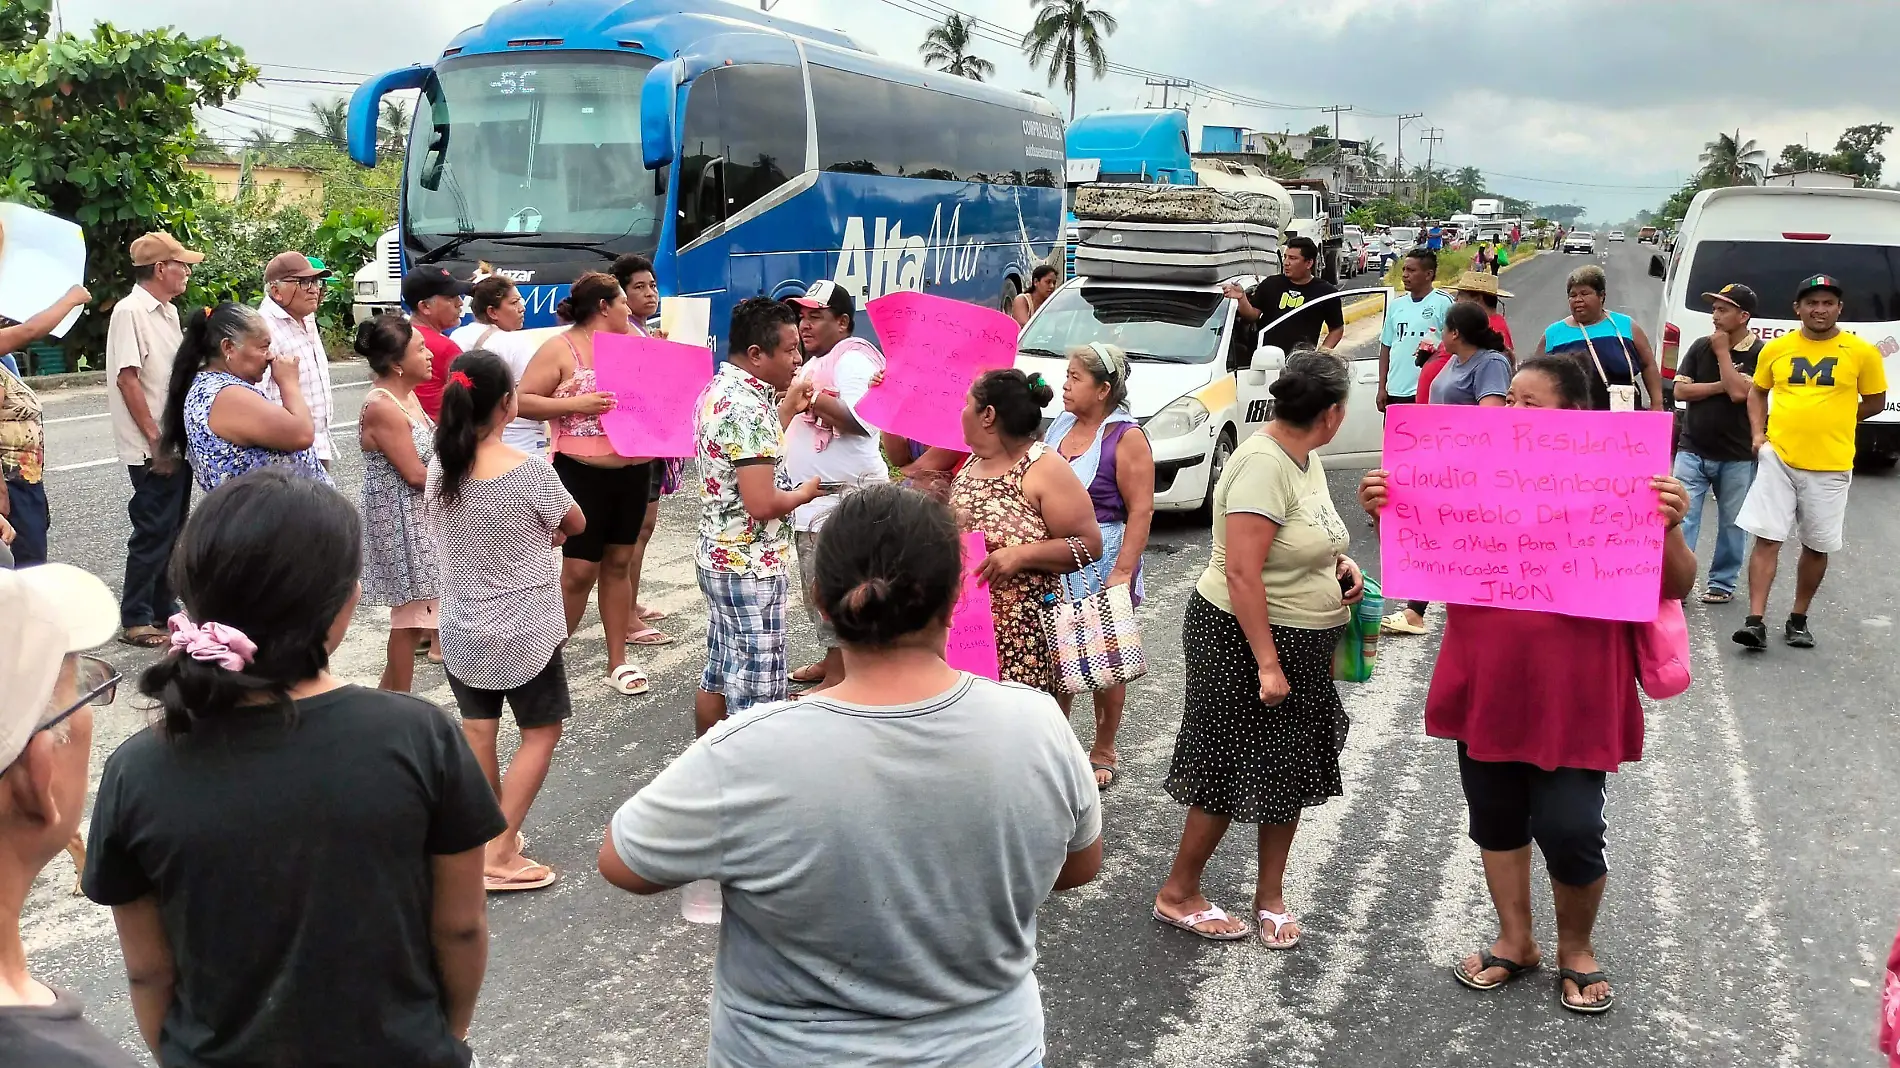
(744, 154)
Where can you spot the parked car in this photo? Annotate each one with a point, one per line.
(1352, 253)
(1616, 235)
(1581, 241)
(1378, 254)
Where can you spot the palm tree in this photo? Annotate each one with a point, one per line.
(947, 48)
(330, 125)
(393, 131)
(1732, 161)
(1374, 155)
(1065, 32)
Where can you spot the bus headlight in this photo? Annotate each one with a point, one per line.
(1177, 420)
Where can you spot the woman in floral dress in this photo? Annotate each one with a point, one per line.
(400, 569)
(1036, 518)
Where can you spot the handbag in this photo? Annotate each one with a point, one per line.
(1358, 649)
(1094, 643)
(1662, 652)
(1622, 398)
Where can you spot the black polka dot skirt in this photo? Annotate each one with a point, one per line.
(1237, 758)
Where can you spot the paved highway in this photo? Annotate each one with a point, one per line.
(1752, 892)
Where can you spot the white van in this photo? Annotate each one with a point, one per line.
(1183, 385)
(1769, 239)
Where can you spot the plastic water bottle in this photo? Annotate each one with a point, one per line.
(700, 902)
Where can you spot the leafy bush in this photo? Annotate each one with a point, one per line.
(239, 238)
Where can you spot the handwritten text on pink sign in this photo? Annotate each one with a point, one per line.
(972, 644)
(934, 347)
(1525, 508)
(655, 384)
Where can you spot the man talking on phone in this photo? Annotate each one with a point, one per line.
(828, 442)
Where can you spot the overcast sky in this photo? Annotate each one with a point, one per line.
(1604, 104)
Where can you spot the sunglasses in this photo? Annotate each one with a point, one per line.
(98, 684)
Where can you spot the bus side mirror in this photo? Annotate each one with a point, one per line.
(1657, 268)
(659, 92)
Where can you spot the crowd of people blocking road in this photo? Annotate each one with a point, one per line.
(834, 802)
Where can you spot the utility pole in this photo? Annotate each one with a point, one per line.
(1431, 137)
(1166, 84)
(1339, 152)
(1398, 184)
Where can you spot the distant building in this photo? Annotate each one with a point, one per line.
(1810, 180)
(299, 186)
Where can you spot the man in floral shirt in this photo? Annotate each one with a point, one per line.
(744, 536)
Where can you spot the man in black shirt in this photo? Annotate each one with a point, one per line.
(1295, 288)
(47, 693)
(1716, 452)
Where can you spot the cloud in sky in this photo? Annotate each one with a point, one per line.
(1604, 104)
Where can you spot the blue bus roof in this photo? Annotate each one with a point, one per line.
(658, 28)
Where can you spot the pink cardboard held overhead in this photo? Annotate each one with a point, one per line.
(655, 384)
(1525, 508)
(934, 347)
(972, 644)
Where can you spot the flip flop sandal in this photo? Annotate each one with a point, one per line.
(628, 681)
(1486, 961)
(1396, 623)
(1583, 979)
(649, 636)
(515, 881)
(146, 637)
(651, 615)
(1717, 597)
(1279, 920)
(1211, 914)
(1106, 783)
(804, 676)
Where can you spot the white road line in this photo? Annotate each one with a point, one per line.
(83, 464)
(77, 418)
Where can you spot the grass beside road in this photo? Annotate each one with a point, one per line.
(1455, 262)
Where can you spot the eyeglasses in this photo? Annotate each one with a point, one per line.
(98, 684)
(302, 283)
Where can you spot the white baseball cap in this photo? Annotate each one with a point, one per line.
(45, 612)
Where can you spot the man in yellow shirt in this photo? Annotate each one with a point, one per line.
(1822, 382)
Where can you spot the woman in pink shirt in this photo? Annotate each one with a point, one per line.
(1542, 707)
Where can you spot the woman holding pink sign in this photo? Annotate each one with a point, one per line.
(1029, 506)
(612, 490)
(1543, 706)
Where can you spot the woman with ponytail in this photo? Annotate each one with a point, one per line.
(498, 511)
(293, 863)
(613, 490)
(759, 806)
(218, 415)
(1037, 520)
(398, 438)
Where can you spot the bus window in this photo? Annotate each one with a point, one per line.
(752, 118)
(870, 126)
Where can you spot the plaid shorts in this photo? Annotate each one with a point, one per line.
(745, 638)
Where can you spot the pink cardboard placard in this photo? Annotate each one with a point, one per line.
(655, 384)
(934, 347)
(1534, 509)
(972, 644)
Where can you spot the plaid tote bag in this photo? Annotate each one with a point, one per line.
(1094, 643)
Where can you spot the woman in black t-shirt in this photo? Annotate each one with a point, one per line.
(294, 864)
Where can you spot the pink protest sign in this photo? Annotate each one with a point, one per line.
(972, 644)
(1525, 508)
(934, 347)
(655, 384)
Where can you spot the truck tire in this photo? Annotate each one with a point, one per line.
(1223, 450)
(1331, 270)
(1876, 461)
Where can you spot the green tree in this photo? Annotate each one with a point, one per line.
(1801, 158)
(98, 129)
(392, 132)
(947, 48)
(1729, 160)
(330, 123)
(1469, 182)
(1858, 152)
(1561, 214)
(1066, 34)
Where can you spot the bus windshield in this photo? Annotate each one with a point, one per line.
(1153, 325)
(547, 144)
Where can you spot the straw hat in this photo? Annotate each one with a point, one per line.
(1478, 282)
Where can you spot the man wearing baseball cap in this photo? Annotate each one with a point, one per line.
(1716, 453)
(828, 442)
(434, 298)
(141, 340)
(1823, 381)
(293, 287)
(48, 614)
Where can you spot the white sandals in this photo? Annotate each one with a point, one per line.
(628, 681)
(1280, 921)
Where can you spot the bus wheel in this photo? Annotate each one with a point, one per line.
(1223, 450)
(1012, 288)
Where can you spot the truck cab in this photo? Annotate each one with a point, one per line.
(377, 285)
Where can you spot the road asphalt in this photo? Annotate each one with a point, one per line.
(1751, 899)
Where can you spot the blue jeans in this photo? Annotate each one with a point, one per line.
(31, 520)
(1729, 480)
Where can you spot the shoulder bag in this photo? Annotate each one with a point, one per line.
(1662, 652)
(1094, 643)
